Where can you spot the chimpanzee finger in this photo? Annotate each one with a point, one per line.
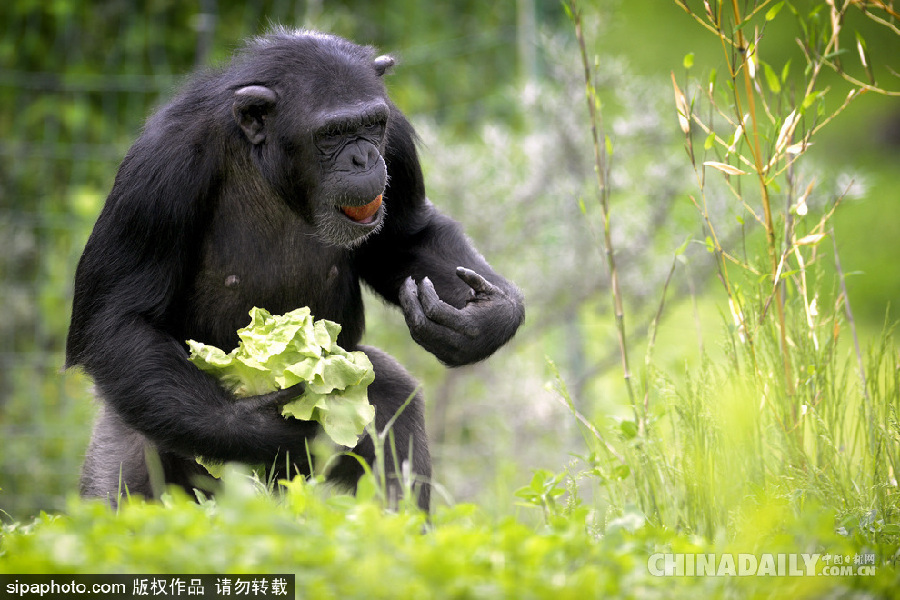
(436, 309)
(282, 397)
(476, 281)
(444, 314)
(275, 399)
(409, 302)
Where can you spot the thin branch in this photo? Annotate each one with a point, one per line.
(764, 192)
(850, 319)
(601, 169)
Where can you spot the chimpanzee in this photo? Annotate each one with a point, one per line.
(279, 180)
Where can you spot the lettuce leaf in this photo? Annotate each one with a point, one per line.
(278, 351)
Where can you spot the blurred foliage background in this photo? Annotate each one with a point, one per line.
(496, 92)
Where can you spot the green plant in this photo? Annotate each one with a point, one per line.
(780, 419)
(461, 552)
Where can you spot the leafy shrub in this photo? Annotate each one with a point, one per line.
(344, 547)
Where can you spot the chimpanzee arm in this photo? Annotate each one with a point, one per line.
(128, 288)
(456, 306)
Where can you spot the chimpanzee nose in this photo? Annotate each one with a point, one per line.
(364, 155)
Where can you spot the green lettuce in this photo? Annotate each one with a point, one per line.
(278, 351)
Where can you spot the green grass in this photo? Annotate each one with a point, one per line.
(344, 547)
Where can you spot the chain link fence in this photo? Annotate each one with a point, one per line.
(77, 79)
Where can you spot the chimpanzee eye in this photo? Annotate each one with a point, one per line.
(373, 129)
(330, 140)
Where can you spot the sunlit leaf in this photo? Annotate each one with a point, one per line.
(801, 208)
(798, 148)
(771, 78)
(682, 107)
(725, 168)
(773, 12)
(736, 138)
(861, 48)
(810, 240)
(864, 57)
(786, 132)
(809, 99)
(621, 472)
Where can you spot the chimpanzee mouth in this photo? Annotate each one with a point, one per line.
(366, 214)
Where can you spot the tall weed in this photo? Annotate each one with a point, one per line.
(792, 414)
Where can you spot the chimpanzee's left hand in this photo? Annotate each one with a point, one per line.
(460, 336)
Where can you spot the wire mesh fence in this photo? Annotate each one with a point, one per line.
(74, 90)
(77, 80)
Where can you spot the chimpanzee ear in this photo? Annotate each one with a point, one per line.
(252, 105)
(383, 63)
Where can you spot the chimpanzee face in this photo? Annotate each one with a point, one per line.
(319, 139)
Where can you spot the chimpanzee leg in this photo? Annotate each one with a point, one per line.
(116, 464)
(407, 446)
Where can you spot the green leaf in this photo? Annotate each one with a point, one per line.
(810, 98)
(629, 429)
(710, 140)
(771, 78)
(773, 12)
(785, 71)
(621, 472)
(688, 61)
(277, 352)
(864, 57)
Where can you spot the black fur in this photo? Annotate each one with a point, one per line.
(231, 199)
